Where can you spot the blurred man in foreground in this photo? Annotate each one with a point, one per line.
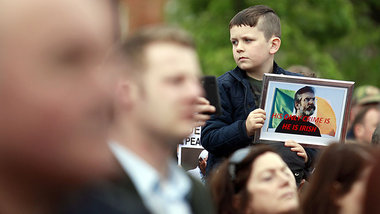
(56, 100)
(155, 109)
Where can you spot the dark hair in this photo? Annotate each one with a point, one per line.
(339, 166)
(134, 46)
(297, 96)
(304, 70)
(376, 136)
(371, 197)
(270, 22)
(228, 183)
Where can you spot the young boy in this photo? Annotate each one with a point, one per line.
(255, 34)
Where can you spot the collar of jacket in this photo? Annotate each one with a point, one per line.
(240, 74)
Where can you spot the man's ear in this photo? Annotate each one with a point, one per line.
(200, 160)
(296, 104)
(358, 130)
(125, 93)
(275, 43)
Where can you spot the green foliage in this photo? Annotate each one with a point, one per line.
(339, 39)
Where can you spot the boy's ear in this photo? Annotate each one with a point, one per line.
(275, 43)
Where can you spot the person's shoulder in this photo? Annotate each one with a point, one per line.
(317, 132)
(117, 196)
(194, 171)
(311, 124)
(279, 126)
(226, 76)
(292, 74)
(230, 76)
(200, 198)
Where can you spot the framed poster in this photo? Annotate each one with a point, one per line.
(310, 111)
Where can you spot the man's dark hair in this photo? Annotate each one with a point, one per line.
(297, 96)
(270, 23)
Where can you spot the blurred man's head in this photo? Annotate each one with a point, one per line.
(304, 70)
(365, 95)
(55, 87)
(202, 161)
(163, 81)
(304, 101)
(365, 124)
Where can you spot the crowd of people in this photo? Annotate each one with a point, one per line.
(252, 178)
(89, 124)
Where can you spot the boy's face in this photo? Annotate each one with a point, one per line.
(169, 90)
(250, 49)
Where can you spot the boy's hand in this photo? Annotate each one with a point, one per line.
(295, 147)
(202, 107)
(255, 120)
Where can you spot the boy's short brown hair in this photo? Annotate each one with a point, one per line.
(250, 16)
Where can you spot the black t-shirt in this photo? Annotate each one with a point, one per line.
(256, 86)
(297, 125)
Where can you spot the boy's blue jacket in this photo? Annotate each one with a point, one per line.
(223, 135)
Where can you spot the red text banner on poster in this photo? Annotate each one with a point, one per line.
(304, 119)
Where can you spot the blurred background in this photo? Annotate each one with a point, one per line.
(337, 39)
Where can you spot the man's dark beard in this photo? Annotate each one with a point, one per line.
(310, 109)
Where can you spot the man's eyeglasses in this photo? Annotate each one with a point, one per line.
(307, 99)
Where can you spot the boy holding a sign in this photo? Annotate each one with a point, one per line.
(255, 36)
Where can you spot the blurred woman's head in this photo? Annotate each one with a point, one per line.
(338, 183)
(254, 180)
